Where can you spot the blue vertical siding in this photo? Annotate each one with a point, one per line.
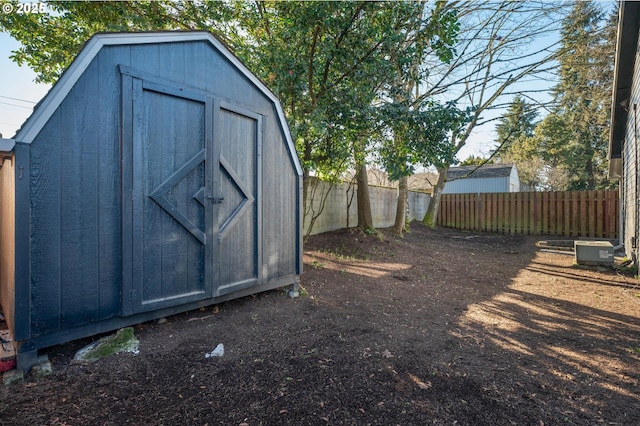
(76, 179)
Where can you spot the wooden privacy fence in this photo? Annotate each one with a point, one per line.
(571, 213)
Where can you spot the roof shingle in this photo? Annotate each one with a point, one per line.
(486, 171)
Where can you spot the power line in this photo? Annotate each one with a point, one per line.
(16, 105)
(17, 99)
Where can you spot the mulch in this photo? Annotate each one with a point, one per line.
(437, 327)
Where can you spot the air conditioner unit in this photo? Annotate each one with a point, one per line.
(594, 253)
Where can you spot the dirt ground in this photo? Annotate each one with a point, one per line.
(439, 327)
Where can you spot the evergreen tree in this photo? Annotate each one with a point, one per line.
(583, 96)
(473, 160)
(518, 122)
(567, 149)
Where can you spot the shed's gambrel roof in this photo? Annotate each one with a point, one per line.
(49, 104)
(486, 171)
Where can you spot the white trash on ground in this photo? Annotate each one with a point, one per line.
(218, 351)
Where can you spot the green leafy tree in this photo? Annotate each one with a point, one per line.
(330, 63)
(550, 147)
(474, 160)
(50, 41)
(409, 122)
(420, 138)
(514, 144)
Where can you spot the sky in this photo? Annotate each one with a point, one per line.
(18, 91)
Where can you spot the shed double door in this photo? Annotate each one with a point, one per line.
(190, 192)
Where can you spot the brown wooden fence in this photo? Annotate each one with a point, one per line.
(571, 213)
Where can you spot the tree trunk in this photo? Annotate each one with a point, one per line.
(431, 217)
(401, 208)
(305, 174)
(365, 219)
(591, 179)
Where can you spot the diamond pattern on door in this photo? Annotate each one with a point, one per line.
(242, 192)
(159, 196)
(166, 175)
(237, 180)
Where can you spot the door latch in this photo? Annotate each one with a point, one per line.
(215, 200)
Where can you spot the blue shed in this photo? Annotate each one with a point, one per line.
(157, 176)
(484, 179)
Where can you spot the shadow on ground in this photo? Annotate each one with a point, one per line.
(438, 327)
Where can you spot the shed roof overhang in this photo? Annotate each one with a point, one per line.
(48, 105)
(6, 148)
(6, 145)
(482, 171)
(626, 48)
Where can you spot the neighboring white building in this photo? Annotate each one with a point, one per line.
(487, 178)
(624, 154)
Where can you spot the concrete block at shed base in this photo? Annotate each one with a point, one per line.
(294, 290)
(594, 253)
(12, 376)
(43, 368)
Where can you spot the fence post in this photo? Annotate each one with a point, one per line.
(575, 210)
(545, 212)
(612, 217)
(519, 212)
(487, 212)
(600, 217)
(470, 213)
(593, 222)
(536, 217)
